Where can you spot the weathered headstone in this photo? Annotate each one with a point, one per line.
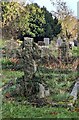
(75, 91)
(47, 92)
(59, 41)
(46, 41)
(64, 51)
(41, 91)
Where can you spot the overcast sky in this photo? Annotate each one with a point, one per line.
(72, 4)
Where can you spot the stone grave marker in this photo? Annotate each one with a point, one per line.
(47, 92)
(75, 91)
(46, 41)
(41, 91)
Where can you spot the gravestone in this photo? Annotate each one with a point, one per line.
(41, 91)
(47, 92)
(59, 41)
(64, 51)
(75, 91)
(46, 41)
(10, 47)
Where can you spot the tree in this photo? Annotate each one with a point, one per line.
(14, 21)
(36, 20)
(29, 21)
(57, 27)
(52, 26)
(65, 16)
(41, 22)
(62, 9)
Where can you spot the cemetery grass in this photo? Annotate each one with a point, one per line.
(9, 74)
(20, 110)
(57, 82)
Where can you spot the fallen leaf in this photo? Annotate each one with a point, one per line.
(54, 113)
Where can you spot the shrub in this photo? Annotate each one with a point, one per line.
(7, 63)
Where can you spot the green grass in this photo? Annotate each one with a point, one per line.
(75, 51)
(18, 110)
(57, 82)
(2, 43)
(8, 75)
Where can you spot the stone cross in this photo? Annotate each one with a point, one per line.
(30, 57)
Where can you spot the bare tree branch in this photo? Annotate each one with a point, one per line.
(62, 9)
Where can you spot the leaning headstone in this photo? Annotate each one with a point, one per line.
(46, 41)
(47, 92)
(75, 91)
(41, 91)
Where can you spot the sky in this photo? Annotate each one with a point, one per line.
(72, 4)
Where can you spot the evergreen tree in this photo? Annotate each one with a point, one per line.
(29, 20)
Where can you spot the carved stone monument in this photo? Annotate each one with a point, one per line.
(30, 60)
(30, 57)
